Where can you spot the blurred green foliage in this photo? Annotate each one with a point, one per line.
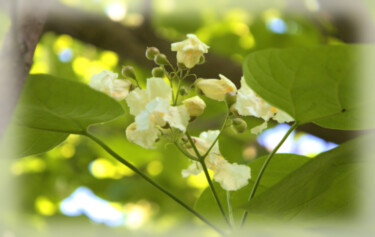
(230, 28)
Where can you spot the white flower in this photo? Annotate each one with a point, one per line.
(190, 50)
(250, 104)
(195, 106)
(152, 110)
(230, 176)
(107, 82)
(216, 89)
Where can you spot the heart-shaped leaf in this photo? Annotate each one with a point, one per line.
(318, 84)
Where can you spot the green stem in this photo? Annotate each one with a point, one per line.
(204, 166)
(255, 187)
(217, 138)
(179, 85)
(230, 211)
(185, 152)
(137, 171)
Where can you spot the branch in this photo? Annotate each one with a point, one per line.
(16, 56)
(129, 43)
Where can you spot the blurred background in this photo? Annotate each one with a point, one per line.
(77, 186)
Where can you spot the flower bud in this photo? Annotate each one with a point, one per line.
(184, 140)
(228, 123)
(183, 91)
(239, 125)
(230, 98)
(195, 106)
(151, 52)
(157, 72)
(216, 88)
(161, 59)
(128, 71)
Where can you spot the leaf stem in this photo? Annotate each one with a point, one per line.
(255, 187)
(149, 180)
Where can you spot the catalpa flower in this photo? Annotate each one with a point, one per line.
(190, 50)
(152, 110)
(250, 104)
(216, 88)
(107, 82)
(230, 176)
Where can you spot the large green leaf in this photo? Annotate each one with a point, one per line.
(49, 109)
(317, 84)
(325, 187)
(280, 167)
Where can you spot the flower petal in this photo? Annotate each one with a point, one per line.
(178, 117)
(193, 169)
(157, 87)
(144, 138)
(232, 176)
(137, 101)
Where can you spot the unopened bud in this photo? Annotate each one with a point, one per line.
(183, 91)
(151, 52)
(157, 72)
(195, 106)
(202, 59)
(128, 72)
(161, 59)
(184, 140)
(230, 98)
(228, 123)
(239, 125)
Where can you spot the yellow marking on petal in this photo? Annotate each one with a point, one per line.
(273, 109)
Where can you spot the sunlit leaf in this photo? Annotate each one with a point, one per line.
(317, 84)
(50, 108)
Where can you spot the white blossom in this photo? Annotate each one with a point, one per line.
(230, 176)
(216, 88)
(107, 82)
(190, 50)
(152, 110)
(250, 104)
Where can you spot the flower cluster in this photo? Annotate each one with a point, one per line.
(166, 106)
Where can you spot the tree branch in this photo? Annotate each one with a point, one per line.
(16, 56)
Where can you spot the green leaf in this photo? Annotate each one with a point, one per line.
(49, 109)
(56, 104)
(20, 141)
(324, 187)
(317, 84)
(280, 167)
